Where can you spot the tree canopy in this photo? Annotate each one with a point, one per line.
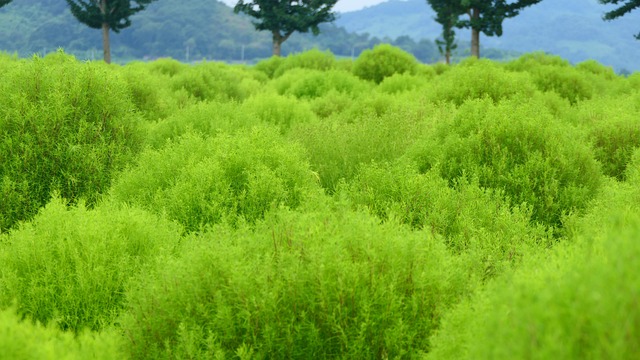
(447, 15)
(4, 2)
(486, 16)
(626, 6)
(106, 15)
(284, 17)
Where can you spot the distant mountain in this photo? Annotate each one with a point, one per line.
(573, 29)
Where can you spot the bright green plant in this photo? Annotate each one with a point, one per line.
(382, 61)
(201, 181)
(283, 111)
(217, 81)
(312, 59)
(64, 126)
(519, 148)
(309, 84)
(69, 266)
(613, 127)
(579, 303)
(551, 73)
(20, 339)
(206, 118)
(380, 128)
(476, 79)
(397, 83)
(329, 283)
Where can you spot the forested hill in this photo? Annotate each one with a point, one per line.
(209, 29)
(168, 28)
(573, 29)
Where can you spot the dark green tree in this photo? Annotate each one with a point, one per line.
(284, 17)
(447, 14)
(106, 15)
(486, 16)
(626, 6)
(4, 2)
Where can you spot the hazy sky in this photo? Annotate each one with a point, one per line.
(342, 5)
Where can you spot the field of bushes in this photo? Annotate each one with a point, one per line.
(310, 207)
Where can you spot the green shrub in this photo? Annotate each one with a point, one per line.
(217, 81)
(309, 84)
(323, 284)
(382, 61)
(477, 79)
(269, 66)
(207, 118)
(551, 73)
(312, 59)
(282, 111)
(579, 303)
(613, 127)
(64, 126)
(471, 219)
(330, 103)
(595, 68)
(378, 129)
(167, 67)
(21, 340)
(401, 82)
(516, 147)
(202, 181)
(69, 266)
(151, 92)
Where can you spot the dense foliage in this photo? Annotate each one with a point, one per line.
(315, 207)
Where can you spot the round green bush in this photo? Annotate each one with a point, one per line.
(329, 283)
(217, 81)
(613, 128)
(201, 181)
(579, 303)
(477, 79)
(69, 266)
(313, 59)
(552, 73)
(21, 339)
(310, 84)
(65, 126)
(382, 61)
(283, 111)
(517, 147)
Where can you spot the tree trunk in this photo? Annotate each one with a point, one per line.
(475, 33)
(106, 45)
(277, 43)
(447, 56)
(277, 48)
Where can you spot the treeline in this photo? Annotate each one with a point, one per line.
(203, 30)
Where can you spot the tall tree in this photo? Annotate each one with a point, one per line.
(284, 17)
(4, 2)
(447, 15)
(486, 16)
(626, 7)
(106, 15)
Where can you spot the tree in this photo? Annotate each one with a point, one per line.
(447, 15)
(626, 7)
(106, 15)
(284, 17)
(486, 16)
(4, 2)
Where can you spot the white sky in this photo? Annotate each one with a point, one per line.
(341, 6)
